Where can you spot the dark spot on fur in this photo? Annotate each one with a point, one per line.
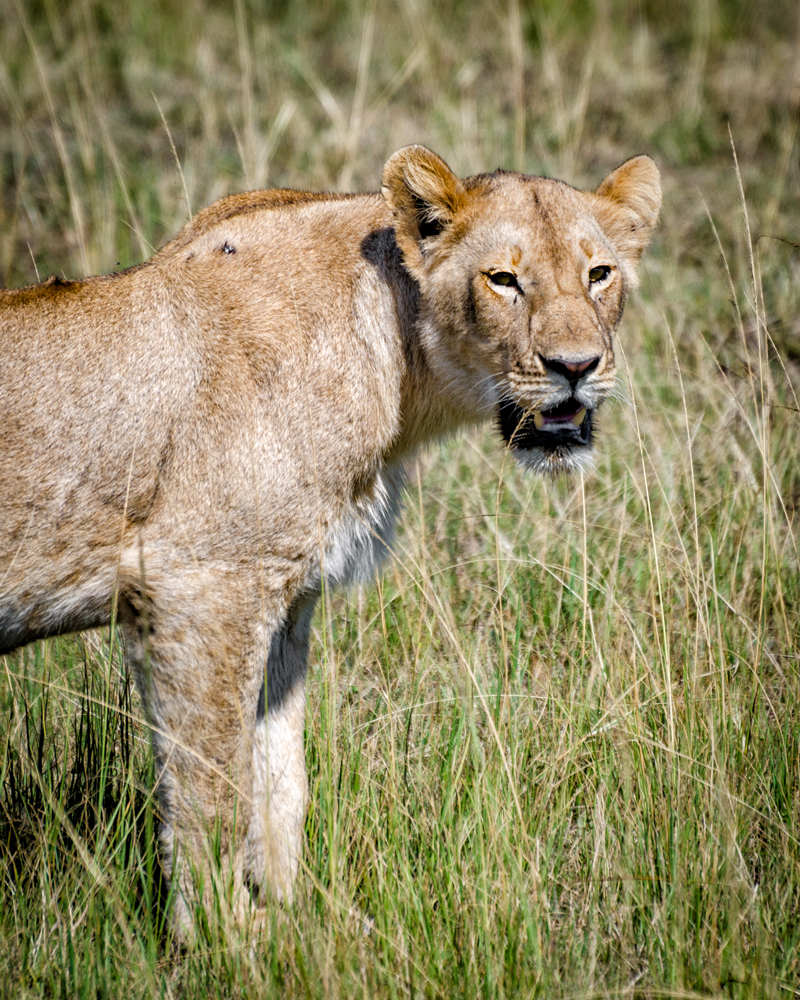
(381, 250)
(470, 309)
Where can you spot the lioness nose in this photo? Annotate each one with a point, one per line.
(571, 370)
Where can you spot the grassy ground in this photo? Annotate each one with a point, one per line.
(556, 750)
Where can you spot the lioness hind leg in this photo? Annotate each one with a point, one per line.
(280, 788)
(197, 649)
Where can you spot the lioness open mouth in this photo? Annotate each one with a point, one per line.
(563, 427)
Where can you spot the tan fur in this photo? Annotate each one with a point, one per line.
(207, 435)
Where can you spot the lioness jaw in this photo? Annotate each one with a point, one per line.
(203, 438)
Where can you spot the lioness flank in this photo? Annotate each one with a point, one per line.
(200, 440)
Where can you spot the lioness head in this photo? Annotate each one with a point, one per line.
(524, 280)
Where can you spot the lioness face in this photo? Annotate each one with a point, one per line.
(524, 282)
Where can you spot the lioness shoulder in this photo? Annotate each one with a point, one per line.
(203, 439)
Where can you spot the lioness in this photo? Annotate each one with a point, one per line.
(201, 439)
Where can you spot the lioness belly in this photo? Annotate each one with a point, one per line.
(32, 609)
(362, 538)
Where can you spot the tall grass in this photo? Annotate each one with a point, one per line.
(555, 751)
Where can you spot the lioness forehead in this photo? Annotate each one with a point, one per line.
(533, 197)
(504, 209)
(501, 179)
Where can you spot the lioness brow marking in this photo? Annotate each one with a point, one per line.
(207, 445)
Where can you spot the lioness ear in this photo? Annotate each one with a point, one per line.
(628, 206)
(424, 195)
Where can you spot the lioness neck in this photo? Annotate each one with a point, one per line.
(367, 334)
(429, 405)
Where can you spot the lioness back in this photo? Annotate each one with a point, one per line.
(126, 398)
(202, 441)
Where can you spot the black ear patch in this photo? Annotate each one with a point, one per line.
(427, 223)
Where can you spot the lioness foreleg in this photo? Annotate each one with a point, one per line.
(197, 649)
(280, 789)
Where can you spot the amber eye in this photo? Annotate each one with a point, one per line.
(505, 278)
(599, 273)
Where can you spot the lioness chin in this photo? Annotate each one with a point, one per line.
(201, 439)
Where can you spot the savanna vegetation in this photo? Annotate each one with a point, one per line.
(555, 751)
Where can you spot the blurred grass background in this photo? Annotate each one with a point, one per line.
(555, 751)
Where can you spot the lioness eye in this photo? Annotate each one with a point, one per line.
(502, 278)
(599, 273)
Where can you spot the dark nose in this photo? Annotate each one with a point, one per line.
(571, 370)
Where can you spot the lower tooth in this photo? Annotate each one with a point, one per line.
(538, 420)
(578, 418)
